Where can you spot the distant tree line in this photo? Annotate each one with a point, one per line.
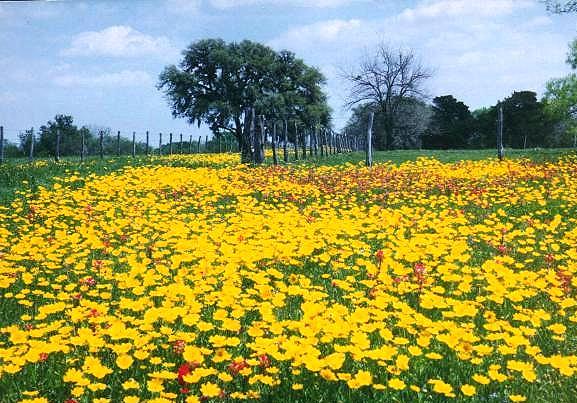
(71, 137)
(449, 124)
(390, 84)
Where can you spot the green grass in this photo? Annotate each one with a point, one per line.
(400, 156)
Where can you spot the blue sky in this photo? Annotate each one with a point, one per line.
(99, 61)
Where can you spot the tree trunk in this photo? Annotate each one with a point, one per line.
(261, 140)
(315, 141)
(369, 160)
(274, 157)
(245, 137)
(388, 135)
(296, 142)
(285, 140)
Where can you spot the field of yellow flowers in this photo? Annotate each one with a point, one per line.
(418, 282)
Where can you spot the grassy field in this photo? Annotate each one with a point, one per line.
(432, 276)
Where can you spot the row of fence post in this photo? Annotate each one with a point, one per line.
(58, 143)
(313, 141)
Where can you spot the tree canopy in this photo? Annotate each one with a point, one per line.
(556, 6)
(561, 95)
(45, 140)
(223, 84)
(451, 124)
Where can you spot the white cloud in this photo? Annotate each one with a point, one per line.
(125, 78)
(226, 4)
(7, 97)
(459, 8)
(540, 21)
(331, 31)
(184, 6)
(119, 41)
(480, 51)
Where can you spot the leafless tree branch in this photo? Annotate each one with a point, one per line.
(387, 79)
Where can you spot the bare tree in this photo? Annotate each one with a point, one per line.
(387, 79)
(561, 6)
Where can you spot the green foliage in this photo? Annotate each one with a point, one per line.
(408, 124)
(526, 122)
(451, 124)
(561, 98)
(11, 150)
(70, 137)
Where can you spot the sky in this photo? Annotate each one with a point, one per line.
(99, 61)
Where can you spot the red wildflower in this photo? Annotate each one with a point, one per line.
(264, 361)
(183, 370)
(236, 366)
(379, 256)
(178, 346)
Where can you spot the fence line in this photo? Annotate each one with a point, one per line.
(314, 142)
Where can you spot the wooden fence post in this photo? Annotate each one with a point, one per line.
(1, 144)
(500, 149)
(296, 141)
(315, 140)
(285, 140)
(83, 150)
(118, 143)
(259, 142)
(198, 148)
(31, 151)
(206, 144)
(170, 143)
(180, 146)
(321, 141)
(369, 160)
(190, 145)
(57, 156)
(304, 143)
(133, 144)
(160, 144)
(146, 143)
(101, 144)
(273, 143)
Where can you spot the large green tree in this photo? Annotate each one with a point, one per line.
(526, 123)
(451, 124)
(561, 100)
(224, 84)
